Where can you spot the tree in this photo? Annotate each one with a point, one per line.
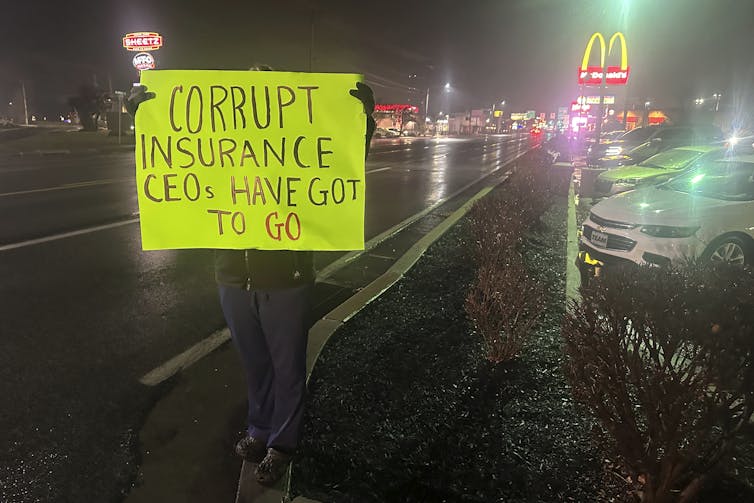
(89, 104)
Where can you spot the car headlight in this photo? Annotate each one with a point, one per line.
(613, 151)
(665, 231)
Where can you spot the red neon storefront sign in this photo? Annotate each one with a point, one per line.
(396, 108)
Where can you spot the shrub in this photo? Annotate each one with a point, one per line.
(663, 359)
(504, 304)
(530, 191)
(497, 227)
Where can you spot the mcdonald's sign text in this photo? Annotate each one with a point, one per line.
(593, 75)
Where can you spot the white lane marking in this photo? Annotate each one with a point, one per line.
(377, 170)
(185, 359)
(65, 235)
(390, 151)
(76, 185)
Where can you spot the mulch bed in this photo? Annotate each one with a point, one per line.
(403, 407)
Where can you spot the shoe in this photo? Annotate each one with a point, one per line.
(272, 467)
(252, 449)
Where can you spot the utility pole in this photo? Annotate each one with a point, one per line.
(26, 109)
(311, 40)
(601, 108)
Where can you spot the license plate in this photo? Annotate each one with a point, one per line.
(599, 239)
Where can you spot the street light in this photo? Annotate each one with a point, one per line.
(502, 104)
(426, 99)
(448, 89)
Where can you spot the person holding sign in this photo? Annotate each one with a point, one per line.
(265, 297)
(264, 289)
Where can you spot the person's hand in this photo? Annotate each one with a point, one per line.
(136, 97)
(364, 94)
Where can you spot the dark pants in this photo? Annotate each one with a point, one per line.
(269, 328)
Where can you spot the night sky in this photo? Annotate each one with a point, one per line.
(523, 51)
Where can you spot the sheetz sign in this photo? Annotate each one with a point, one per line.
(142, 41)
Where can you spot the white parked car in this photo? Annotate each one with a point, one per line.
(706, 213)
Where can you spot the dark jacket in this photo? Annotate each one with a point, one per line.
(264, 269)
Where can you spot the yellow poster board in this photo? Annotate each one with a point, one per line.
(250, 159)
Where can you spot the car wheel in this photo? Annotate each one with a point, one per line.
(731, 250)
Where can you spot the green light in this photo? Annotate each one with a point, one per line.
(697, 178)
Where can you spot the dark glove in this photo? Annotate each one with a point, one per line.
(364, 94)
(136, 97)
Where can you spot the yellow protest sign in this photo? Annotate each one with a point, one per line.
(245, 159)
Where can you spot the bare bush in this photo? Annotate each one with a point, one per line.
(497, 227)
(530, 190)
(504, 303)
(663, 358)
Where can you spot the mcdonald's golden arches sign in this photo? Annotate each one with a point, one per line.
(593, 75)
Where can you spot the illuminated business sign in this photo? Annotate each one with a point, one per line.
(580, 107)
(396, 108)
(144, 61)
(595, 100)
(142, 41)
(518, 116)
(596, 75)
(497, 113)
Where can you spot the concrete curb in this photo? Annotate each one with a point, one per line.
(327, 271)
(573, 278)
(324, 328)
(249, 491)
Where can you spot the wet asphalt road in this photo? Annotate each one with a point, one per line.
(84, 316)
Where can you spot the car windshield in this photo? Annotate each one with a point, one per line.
(638, 135)
(727, 180)
(671, 159)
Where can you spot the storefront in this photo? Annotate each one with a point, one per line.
(402, 117)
